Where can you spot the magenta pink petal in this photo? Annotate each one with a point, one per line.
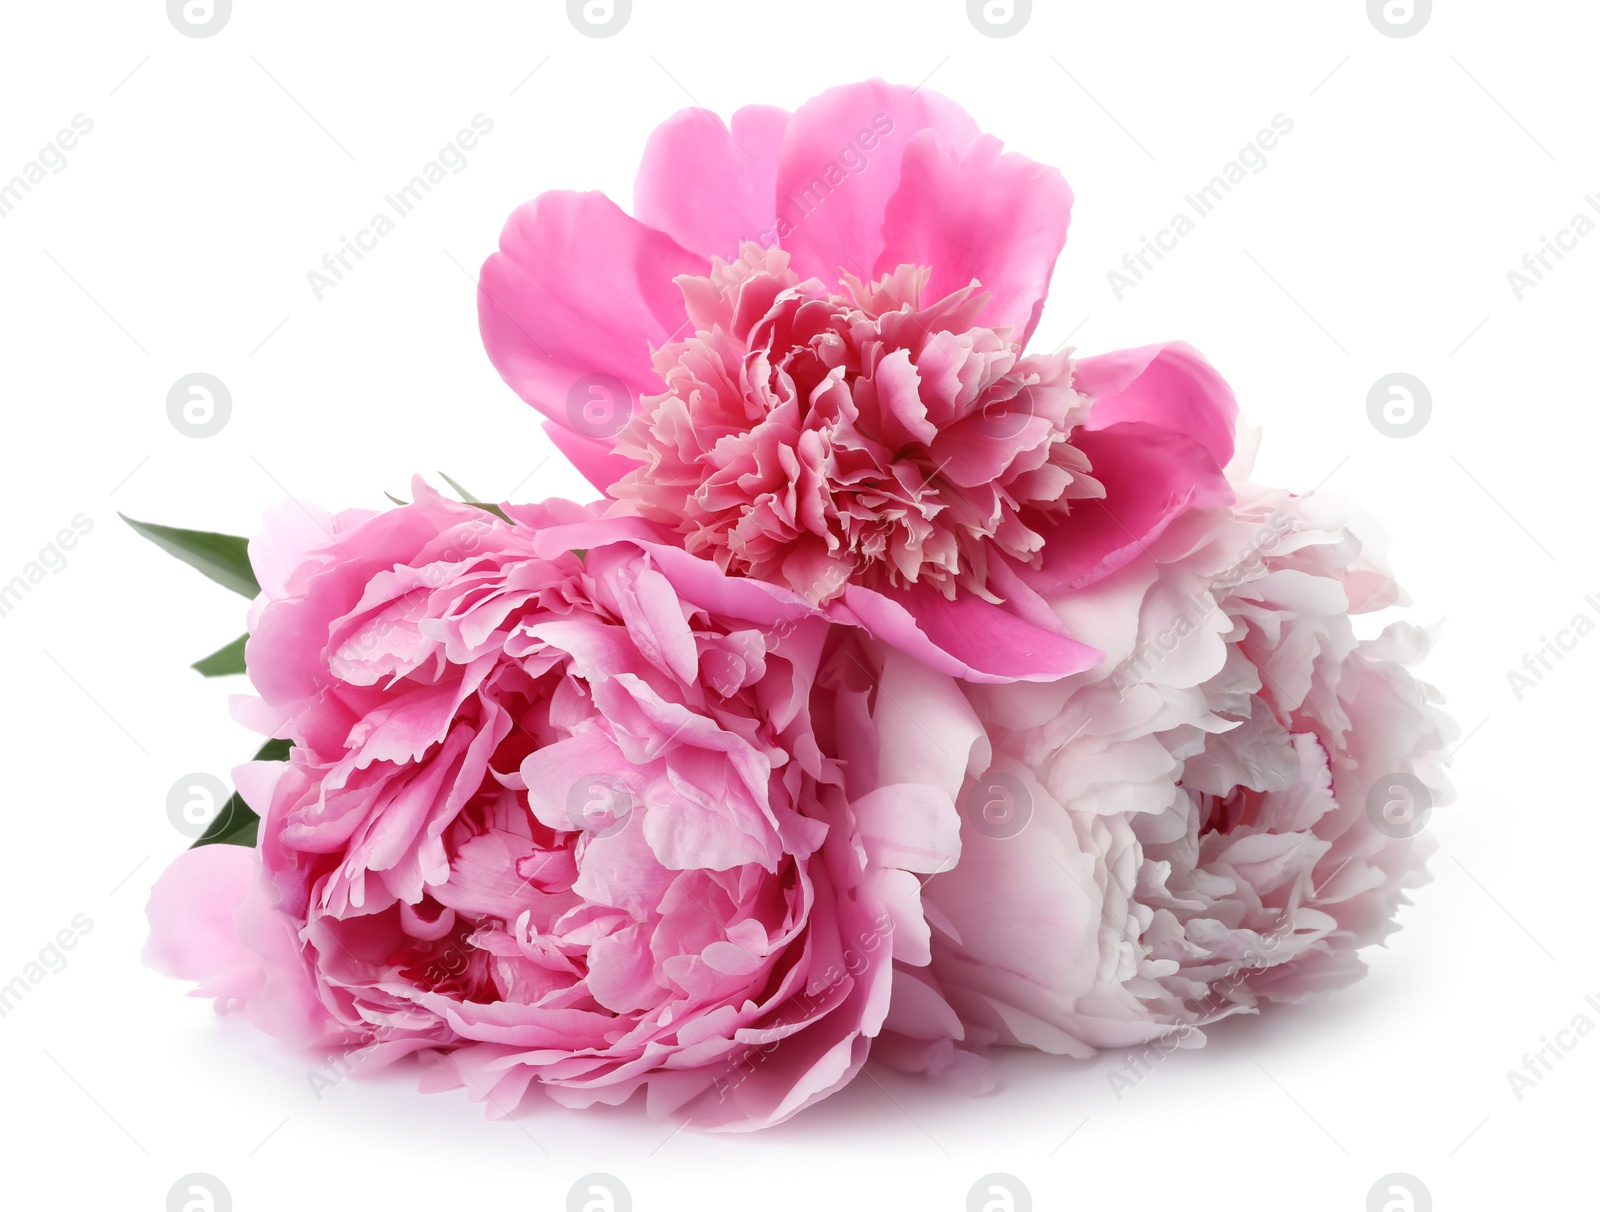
(999, 219)
(579, 289)
(1171, 386)
(841, 165)
(1151, 476)
(968, 638)
(592, 457)
(1159, 436)
(711, 187)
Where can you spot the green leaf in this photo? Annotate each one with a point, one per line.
(225, 660)
(470, 499)
(273, 751)
(222, 557)
(396, 499)
(237, 824)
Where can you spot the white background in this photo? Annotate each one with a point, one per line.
(1378, 239)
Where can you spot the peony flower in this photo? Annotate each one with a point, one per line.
(1221, 815)
(807, 355)
(568, 807)
(820, 486)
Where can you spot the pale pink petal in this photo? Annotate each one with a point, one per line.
(909, 825)
(191, 911)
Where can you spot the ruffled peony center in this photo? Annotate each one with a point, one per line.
(1233, 874)
(867, 435)
(548, 810)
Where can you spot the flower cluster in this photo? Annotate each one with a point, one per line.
(907, 690)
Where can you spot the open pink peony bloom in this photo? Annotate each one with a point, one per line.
(806, 355)
(570, 807)
(813, 438)
(1219, 816)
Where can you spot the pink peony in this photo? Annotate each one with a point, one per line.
(806, 355)
(1218, 816)
(873, 435)
(570, 807)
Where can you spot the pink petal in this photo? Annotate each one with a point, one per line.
(925, 729)
(840, 165)
(919, 1010)
(289, 533)
(899, 893)
(559, 775)
(913, 826)
(591, 456)
(1151, 476)
(978, 214)
(191, 912)
(708, 188)
(578, 289)
(211, 922)
(620, 973)
(1158, 436)
(969, 638)
(1171, 386)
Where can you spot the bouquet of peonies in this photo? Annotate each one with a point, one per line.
(907, 691)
